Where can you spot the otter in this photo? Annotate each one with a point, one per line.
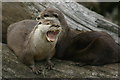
(87, 48)
(33, 40)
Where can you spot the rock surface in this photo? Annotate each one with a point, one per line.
(11, 13)
(78, 17)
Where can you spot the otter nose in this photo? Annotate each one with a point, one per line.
(55, 25)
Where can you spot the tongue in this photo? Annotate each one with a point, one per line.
(52, 35)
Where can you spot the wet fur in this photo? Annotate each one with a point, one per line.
(17, 36)
(92, 47)
(28, 43)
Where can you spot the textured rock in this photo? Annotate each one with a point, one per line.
(11, 13)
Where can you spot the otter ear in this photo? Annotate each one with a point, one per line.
(56, 15)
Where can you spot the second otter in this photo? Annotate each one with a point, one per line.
(91, 47)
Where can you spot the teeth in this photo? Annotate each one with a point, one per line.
(54, 30)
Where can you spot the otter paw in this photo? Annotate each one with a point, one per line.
(49, 66)
(36, 70)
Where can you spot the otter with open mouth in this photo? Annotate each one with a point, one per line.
(33, 41)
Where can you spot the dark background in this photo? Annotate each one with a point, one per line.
(110, 10)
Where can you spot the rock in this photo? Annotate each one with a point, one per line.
(11, 13)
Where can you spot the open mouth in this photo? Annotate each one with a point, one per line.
(52, 35)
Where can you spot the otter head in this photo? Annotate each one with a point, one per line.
(49, 29)
(50, 13)
(54, 14)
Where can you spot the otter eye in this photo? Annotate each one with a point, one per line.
(46, 15)
(56, 15)
(38, 18)
(48, 23)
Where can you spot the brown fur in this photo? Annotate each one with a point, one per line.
(22, 38)
(16, 37)
(95, 48)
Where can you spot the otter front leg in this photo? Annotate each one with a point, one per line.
(49, 64)
(28, 59)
